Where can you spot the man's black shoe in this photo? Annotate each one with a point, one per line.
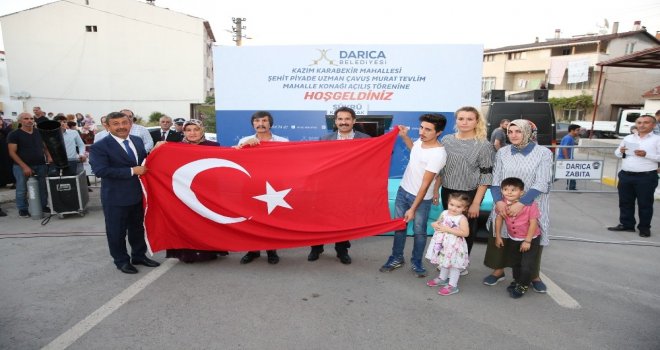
(344, 258)
(146, 262)
(314, 254)
(128, 268)
(272, 257)
(247, 258)
(620, 227)
(644, 232)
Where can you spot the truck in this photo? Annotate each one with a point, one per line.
(612, 129)
(540, 113)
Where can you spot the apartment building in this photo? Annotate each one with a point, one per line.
(567, 68)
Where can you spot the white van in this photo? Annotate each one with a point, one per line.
(627, 120)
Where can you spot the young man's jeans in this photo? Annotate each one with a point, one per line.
(21, 185)
(403, 202)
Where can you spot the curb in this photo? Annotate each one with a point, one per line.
(609, 181)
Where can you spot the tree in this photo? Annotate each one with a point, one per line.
(154, 117)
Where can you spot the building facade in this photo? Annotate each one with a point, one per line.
(567, 68)
(98, 56)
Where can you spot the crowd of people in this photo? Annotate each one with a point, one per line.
(454, 171)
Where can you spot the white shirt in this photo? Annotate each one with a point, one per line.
(71, 141)
(649, 143)
(422, 160)
(142, 132)
(99, 135)
(274, 138)
(130, 144)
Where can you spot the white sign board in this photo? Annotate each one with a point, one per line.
(376, 77)
(579, 169)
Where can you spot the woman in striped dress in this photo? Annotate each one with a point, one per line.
(469, 164)
(532, 163)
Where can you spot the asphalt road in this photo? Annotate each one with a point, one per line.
(59, 288)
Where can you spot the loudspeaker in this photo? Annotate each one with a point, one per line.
(51, 134)
(497, 96)
(540, 95)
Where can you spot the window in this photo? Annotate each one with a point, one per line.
(630, 48)
(487, 84)
(489, 58)
(574, 114)
(517, 56)
(91, 29)
(566, 51)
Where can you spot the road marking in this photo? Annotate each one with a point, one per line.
(558, 295)
(74, 333)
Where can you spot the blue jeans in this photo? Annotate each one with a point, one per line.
(404, 201)
(21, 185)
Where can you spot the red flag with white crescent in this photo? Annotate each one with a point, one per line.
(274, 195)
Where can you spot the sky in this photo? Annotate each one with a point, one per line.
(490, 23)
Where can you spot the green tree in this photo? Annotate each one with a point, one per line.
(154, 117)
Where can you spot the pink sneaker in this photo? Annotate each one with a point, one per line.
(448, 290)
(437, 282)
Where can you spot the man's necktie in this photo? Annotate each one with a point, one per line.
(162, 137)
(130, 151)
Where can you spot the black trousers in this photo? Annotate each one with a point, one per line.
(472, 222)
(638, 187)
(523, 264)
(340, 247)
(122, 222)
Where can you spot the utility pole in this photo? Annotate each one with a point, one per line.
(238, 30)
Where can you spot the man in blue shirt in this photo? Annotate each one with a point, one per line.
(567, 152)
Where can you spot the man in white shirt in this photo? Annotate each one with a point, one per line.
(413, 199)
(103, 133)
(262, 121)
(139, 130)
(638, 177)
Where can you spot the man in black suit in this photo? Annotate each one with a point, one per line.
(116, 160)
(165, 133)
(344, 121)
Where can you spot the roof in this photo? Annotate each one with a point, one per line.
(573, 41)
(649, 58)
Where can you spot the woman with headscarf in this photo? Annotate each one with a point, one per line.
(193, 133)
(531, 163)
(469, 165)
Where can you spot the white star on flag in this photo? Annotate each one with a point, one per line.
(274, 198)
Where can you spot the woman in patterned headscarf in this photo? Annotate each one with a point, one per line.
(532, 163)
(193, 133)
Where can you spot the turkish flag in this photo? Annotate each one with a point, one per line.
(273, 195)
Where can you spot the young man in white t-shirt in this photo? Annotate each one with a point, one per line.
(413, 199)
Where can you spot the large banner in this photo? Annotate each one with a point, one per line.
(300, 85)
(270, 196)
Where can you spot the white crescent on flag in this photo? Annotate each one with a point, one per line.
(182, 180)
